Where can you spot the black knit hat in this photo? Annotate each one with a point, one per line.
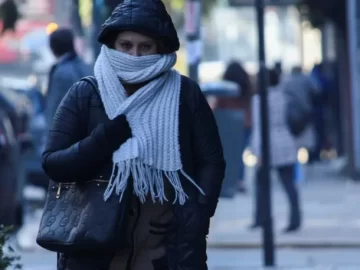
(147, 17)
(62, 42)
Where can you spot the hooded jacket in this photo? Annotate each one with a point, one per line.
(148, 17)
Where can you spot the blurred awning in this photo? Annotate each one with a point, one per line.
(221, 89)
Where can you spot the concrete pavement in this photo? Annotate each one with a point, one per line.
(286, 259)
(330, 207)
(251, 259)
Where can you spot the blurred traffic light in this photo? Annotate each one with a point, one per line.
(9, 15)
(51, 27)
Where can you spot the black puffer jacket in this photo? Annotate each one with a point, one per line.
(74, 153)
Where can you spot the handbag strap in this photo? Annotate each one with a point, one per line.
(91, 80)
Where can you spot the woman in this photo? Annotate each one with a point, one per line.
(283, 151)
(155, 128)
(237, 74)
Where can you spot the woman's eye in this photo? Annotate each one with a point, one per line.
(126, 46)
(146, 47)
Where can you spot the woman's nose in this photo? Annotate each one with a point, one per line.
(135, 51)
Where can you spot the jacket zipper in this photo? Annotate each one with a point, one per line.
(132, 243)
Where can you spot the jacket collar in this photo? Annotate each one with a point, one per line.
(67, 57)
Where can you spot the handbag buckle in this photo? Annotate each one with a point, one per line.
(60, 186)
(58, 191)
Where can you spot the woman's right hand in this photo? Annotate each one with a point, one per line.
(117, 131)
(70, 154)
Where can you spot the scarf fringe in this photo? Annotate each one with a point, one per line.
(147, 180)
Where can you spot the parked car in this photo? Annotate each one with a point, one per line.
(10, 190)
(14, 141)
(34, 135)
(37, 131)
(17, 106)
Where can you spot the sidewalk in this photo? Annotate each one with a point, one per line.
(285, 259)
(244, 259)
(330, 209)
(320, 267)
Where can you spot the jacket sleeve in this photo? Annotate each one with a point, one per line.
(209, 158)
(70, 155)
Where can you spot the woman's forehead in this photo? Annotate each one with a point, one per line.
(134, 36)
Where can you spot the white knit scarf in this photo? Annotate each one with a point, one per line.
(153, 114)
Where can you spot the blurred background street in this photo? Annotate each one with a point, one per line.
(302, 37)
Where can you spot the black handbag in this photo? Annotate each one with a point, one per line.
(76, 218)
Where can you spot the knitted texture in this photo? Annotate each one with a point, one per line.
(153, 153)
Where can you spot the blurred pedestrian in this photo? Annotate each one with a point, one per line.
(283, 151)
(146, 131)
(319, 110)
(279, 69)
(299, 87)
(68, 69)
(236, 73)
(9, 16)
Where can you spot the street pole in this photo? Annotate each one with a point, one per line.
(193, 37)
(97, 21)
(352, 7)
(267, 226)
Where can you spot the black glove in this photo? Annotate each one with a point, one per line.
(117, 131)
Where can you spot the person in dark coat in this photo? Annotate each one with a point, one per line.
(283, 149)
(9, 15)
(68, 69)
(236, 73)
(149, 129)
